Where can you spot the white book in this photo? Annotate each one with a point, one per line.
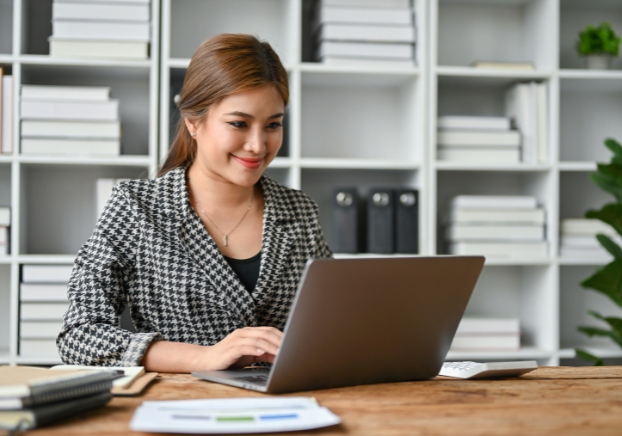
(79, 48)
(43, 311)
(43, 292)
(100, 11)
(586, 241)
(504, 250)
(131, 373)
(480, 155)
(5, 216)
(38, 348)
(520, 106)
(68, 93)
(70, 110)
(360, 32)
(490, 326)
(4, 235)
(7, 114)
(543, 122)
(527, 216)
(40, 329)
(71, 129)
(494, 232)
(101, 30)
(367, 62)
(360, 15)
(492, 342)
(457, 138)
(473, 123)
(584, 252)
(105, 147)
(365, 50)
(4, 250)
(367, 3)
(105, 1)
(494, 201)
(46, 273)
(585, 226)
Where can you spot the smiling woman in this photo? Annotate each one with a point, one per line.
(209, 254)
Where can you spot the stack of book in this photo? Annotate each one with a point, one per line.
(69, 120)
(497, 226)
(360, 32)
(90, 29)
(480, 140)
(32, 397)
(578, 237)
(6, 112)
(43, 302)
(527, 105)
(487, 334)
(5, 231)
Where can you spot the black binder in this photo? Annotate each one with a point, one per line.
(407, 221)
(381, 221)
(346, 221)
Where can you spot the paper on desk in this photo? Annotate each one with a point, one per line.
(131, 372)
(232, 415)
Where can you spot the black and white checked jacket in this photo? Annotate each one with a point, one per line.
(151, 249)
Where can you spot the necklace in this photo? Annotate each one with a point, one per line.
(236, 226)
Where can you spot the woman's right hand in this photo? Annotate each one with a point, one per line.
(241, 348)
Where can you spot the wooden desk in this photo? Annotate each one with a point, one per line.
(550, 401)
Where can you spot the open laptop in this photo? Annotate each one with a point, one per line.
(363, 321)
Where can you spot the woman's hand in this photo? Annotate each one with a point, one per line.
(241, 348)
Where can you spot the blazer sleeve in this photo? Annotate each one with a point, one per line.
(102, 273)
(322, 250)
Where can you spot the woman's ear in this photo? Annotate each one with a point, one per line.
(191, 126)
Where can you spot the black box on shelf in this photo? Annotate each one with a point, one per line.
(407, 221)
(346, 228)
(381, 221)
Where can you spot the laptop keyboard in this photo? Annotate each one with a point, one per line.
(257, 378)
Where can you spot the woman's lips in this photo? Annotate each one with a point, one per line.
(249, 162)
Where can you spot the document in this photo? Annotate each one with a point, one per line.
(232, 415)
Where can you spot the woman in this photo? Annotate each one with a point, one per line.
(209, 254)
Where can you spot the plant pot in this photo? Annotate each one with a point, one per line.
(598, 61)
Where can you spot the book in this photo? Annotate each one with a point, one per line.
(4, 235)
(507, 250)
(584, 252)
(28, 419)
(530, 216)
(1, 106)
(46, 273)
(107, 1)
(366, 62)
(486, 342)
(131, 373)
(523, 66)
(4, 250)
(7, 114)
(488, 232)
(26, 386)
(69, 93)
(494, 201)
(108, 147)
(86, 48)
(70, 110)
(101, 30)
(482, 139)
(479, 155)
(586, 226)
(39, 329)
(526, 104)
(367, 3)
(476, 325)
(43, 292)
(585, 241)
(5, 216)
(100, 11)
(71, 129)
(473, 123)
(542, 123)
(42, 311)
(365, 50)
(361, 32)
(362, 15)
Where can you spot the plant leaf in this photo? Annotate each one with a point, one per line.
(614, 323)
(609, 179)
(610, 214)
(595, 331)
(584, 355)
(616, 149)
(607, 280)
(610, 246)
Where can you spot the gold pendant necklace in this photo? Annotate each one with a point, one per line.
(236, 226)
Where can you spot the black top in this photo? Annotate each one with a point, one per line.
(246, 269)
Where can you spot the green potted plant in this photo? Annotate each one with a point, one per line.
(608, 279)
(598, 45)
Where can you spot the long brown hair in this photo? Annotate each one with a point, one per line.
(221, 66)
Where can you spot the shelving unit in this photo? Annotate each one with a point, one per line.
(52, 198)
(351, 126)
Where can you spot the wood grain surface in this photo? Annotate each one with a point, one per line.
(549, 401)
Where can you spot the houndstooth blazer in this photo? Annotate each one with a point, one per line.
(151, 249)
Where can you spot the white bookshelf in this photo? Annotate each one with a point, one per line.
(52, 198)
(357, 126)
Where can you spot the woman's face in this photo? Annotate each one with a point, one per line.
(240, 136)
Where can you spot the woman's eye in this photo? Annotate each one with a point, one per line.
(238, 124)
(275, 125)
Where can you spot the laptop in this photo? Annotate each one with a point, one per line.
(363, 321)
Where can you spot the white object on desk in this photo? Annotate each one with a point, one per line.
(131, 373)
(485, 370)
